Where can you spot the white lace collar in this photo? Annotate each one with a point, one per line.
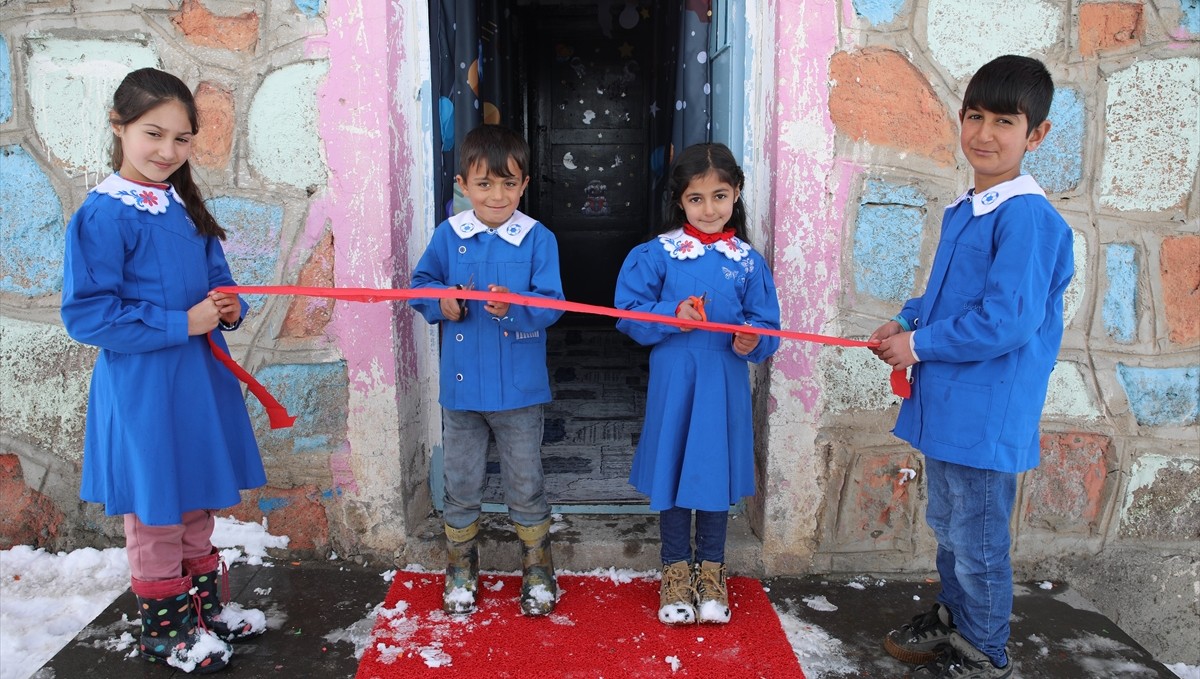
(992, 198)
(144, 197)
(682, 246)
(466, 225)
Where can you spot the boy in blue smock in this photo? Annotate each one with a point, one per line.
(493, 362)
(981, 341)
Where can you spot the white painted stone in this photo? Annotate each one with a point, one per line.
(1145, 470)
(1152, 145)
(855, 379)
(284, 139)
(966, 35)
(1073, 295)
(1068, 396)
(71, 85)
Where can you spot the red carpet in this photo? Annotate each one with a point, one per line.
(600, 628)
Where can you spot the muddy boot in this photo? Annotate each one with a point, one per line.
(169, 630)
(539, 590)
(462, 570)
(227, 620)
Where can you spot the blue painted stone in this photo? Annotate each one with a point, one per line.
(1120, 302)
(1057, 164)
(6, 100)
(878, 11)
(310, 8)
(887, 240)
(1162, 396)
(253, 244)
(32, 227)
(317, 394)
(1191, 16)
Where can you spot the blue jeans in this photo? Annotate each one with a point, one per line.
(969, 511)
(519, 440)
(675, 528)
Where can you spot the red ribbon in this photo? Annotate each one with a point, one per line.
(276, 413)
(899, 380)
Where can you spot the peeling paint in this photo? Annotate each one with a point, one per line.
(887, 240)
(1163, 499)
(855, 379)
(31, 229)
(1121, 300)
(253, 245)
(70, 86)
(1162, 396)
(315, 393)
(878, 11)
(284, 144)
(1073, 295)
(6, 91)
(1153, 142)
(966, 35)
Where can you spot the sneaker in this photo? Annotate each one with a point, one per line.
(920, 639)
(712, 598)
(676, 596)
(961, 661)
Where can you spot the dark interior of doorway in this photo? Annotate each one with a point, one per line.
(588, 73)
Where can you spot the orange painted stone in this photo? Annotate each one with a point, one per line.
(879, 97)
(294, 512)
(1066, 492)
(214, 105)
(1108, 25)
(308, 316)
(202, 27)
(29, 517)
(1179, 263)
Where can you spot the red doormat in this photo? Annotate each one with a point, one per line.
(605, 625)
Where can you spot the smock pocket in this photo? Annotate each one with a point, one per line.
(967, 271)
(529, 361)
(956, 413)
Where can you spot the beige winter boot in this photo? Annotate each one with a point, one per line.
(462, 570)
(539, 590)
(676, 596)
(712, 598)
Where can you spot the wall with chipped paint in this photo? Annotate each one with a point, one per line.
(315, 129)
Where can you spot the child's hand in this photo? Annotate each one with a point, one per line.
(228, 306)
(687, 311)
(203, 317)
(881, 333)
(744, 343)
(499, 309)
(451, 309)
(896, 352)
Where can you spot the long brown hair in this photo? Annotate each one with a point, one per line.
(696, 161)
(141, 91)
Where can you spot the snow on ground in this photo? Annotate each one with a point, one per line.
(48, 598)
(76, 586)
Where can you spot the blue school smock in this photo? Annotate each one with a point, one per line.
(988, 329)
(167, 429)
(490, 363)
(697, 444)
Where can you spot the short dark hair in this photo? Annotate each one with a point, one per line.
(696, 161)
(1012, 84)
(494, 146)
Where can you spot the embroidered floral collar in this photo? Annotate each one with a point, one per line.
(150, 198)
(682, 246)
(466, 225)
(991, 199)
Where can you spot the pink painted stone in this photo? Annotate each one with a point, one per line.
(202, 27)
(1066, 492)
(215, 108)
(881, 98)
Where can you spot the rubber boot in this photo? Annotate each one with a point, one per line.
(462, 570)
(539, 590)
(227, 620)
(169, 628)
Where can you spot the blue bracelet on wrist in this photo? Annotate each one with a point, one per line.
(903, 322)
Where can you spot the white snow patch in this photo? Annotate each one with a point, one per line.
(674, 663)
(820, 654)
(819, 603)
(252, 538)
(1185, 671)
(1046, 584)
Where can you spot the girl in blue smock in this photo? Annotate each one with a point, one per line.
(168, 439)
(697, 445)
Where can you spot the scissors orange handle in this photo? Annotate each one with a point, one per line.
(698, 305)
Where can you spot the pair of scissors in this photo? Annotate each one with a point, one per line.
(698, 304)
(462, 303)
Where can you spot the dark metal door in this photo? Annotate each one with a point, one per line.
(590, 106)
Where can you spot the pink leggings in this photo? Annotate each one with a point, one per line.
(157, 552)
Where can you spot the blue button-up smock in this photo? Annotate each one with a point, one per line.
(490, 363)
(988, 329)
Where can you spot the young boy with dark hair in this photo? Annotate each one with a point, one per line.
(981, 341)
(493, 362)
